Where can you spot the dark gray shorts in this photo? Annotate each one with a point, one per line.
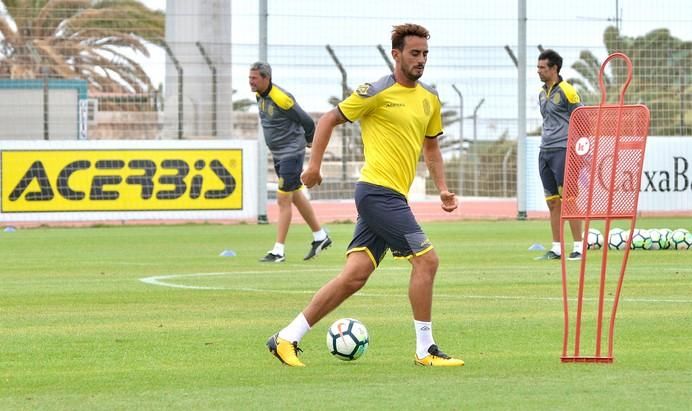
(551, 166)
(289, 169)
(385, 221)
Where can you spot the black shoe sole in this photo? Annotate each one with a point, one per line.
(324, 247)
(271, 345)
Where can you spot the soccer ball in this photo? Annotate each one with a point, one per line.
(347, 339)
(687, 242)
(681, 239)
(666, 232)
(659, 239)
(594, 239)
(617, 239)
(614, 230)
(641, 239)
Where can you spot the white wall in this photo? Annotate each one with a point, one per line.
(667, 164)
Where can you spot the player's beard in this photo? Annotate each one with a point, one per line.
(411, 73)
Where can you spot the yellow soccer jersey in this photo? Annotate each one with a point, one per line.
(394, 121)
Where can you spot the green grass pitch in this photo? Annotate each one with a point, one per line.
(80, 330)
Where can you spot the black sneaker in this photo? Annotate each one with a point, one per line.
(273, 258)
(574, 255)
(550, 255)
(317, 246)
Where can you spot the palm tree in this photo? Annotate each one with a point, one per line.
(662, 77)
(79, 39)
(588, 67)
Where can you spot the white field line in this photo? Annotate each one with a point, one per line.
(166, 281)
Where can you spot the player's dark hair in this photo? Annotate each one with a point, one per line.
(400, 32)
(265, 70)
(553, 58)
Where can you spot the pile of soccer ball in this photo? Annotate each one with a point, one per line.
(642, 239)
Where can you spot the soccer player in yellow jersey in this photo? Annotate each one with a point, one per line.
(399, 117)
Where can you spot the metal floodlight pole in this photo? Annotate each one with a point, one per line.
(38, 61)
(263, 16)
(342, 70)
(512, 56)
(385, 57)
(520, 64)
(344, 94)
(46, 104)
(505, 160)
(261, 147)
(461, 113)
(461, 139)
(521, 112)
(213, 87)
(476, 173)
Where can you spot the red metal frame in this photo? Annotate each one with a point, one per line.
(603, 168)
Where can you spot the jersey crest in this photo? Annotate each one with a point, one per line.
(363, 89)
(556, 98)
(426, 107)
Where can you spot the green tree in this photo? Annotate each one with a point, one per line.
(661, 78)
(91, 40)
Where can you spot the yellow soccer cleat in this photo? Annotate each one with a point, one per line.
(437, 358)
(284, 350)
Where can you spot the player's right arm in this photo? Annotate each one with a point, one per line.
(359, 103)
(323, 132)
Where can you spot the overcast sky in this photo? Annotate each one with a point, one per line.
(490, 22)
(454, 23)
(481, 28)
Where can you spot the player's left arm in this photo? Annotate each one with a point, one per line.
(286, 102)
(300, 116)
(435, 164)
(572, 96)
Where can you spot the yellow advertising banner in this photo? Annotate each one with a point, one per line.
(121, 180)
